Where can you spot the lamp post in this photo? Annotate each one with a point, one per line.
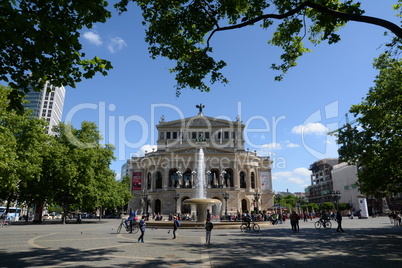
(176, 197)
(145, 198)
(257, 196)
(298, 201)
(336, 196)
(279, 197)
(225, 196)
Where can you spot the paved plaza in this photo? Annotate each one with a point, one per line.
(373, 242)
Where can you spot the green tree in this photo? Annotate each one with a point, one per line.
(75, 172)
(289, 201)
(375, 143)
(182, 30)
(88, 182)
(344, 206)
(122, 193)
(327, 206)
(312, 206)
(41, 38)
(23, 140)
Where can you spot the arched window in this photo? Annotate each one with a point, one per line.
(244, 206)
(187, 179)
(242, 179)
(215, 178)
(228, 178)
(252, 177)
(173, 178)
(158, 206)
(158, 180)
(149, 181)
(185, 208)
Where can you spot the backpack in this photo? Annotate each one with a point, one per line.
(177, 223)
(209, 226)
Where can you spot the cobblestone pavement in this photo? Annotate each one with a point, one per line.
(373, 242)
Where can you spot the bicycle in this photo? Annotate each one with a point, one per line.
(4, 222)
(325, 224)
(134, 227)
(244, 227)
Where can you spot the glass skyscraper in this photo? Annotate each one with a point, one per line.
(48, 104)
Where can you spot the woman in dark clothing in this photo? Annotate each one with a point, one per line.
(339, 221)
(142, 229)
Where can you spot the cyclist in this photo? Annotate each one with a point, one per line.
(131, 219)
(323, 217)
(247, 220)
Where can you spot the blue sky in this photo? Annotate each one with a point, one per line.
(287, 120)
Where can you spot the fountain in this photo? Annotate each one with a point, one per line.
(201, 202)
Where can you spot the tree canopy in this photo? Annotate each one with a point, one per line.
(375, 143)
(182, 30)
(23, 141)
(70, 170)
(39, 42)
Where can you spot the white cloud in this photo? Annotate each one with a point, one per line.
(118, 176)
(302, 172)
(296, 176)
(116, 43)
(148, 148)
(310, 128)
(266, 149)
(291, 145)
(272, 146)
(296, 180)
(93, 38)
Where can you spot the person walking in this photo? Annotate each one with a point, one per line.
(339, 221)
(176, 225)
(142, 229)
(294, 221)
(208, 228)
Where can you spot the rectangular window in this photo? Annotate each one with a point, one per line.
(346, 187)
(226, 135)
(194, 135)
(167, 135)
(233, 135)
(353, 186)
(207, 135)
(175, 135)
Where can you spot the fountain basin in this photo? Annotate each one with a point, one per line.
(202, 205)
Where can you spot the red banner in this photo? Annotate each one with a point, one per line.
(136, 181)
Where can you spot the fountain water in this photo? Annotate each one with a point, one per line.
(201, 202)
(201, 184)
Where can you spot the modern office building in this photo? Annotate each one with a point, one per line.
(200, 150)
(321, 181)
(47, 103)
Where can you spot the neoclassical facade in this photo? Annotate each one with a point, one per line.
(165, 177)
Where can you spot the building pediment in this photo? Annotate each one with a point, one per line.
(194, 150)
(199, 121)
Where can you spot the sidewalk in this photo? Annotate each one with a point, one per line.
(365, 243)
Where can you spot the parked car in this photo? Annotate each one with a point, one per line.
(46, 217)
(57, 217)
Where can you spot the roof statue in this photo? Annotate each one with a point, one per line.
(200, 106)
